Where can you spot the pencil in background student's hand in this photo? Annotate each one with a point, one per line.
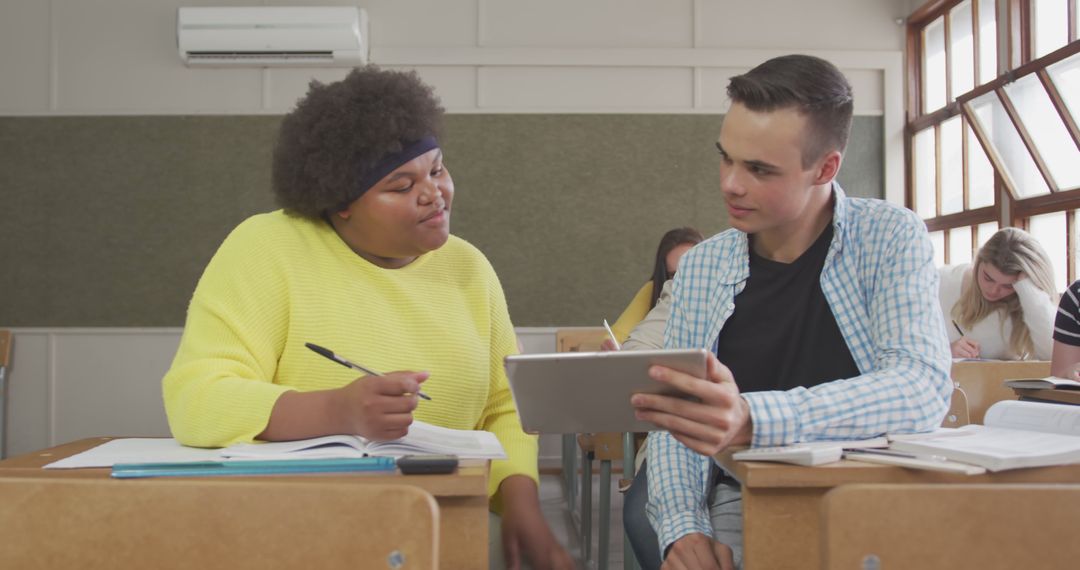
(611, 337)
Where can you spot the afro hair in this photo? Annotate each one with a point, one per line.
(340, 131)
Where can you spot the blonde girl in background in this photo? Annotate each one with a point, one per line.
(1001, 306)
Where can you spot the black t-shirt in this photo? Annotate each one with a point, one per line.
(782, 333)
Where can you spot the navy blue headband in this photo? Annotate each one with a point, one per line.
(391, 162)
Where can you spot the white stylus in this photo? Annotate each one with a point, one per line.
(612, 335)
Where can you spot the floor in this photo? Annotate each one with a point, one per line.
(564, 520)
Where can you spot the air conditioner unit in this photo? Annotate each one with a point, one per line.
(272, 36)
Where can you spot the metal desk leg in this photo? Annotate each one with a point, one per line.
(629, 560)
(586, 506)
(602, 547)
(569, 467)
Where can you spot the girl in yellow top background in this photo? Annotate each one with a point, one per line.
(672, 246)
(359, 260)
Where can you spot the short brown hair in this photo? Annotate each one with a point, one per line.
(340, 131)
(812, 86)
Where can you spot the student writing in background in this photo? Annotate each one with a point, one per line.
(1065, 361)
(1002, 305)
(672, 246)
(360, 260)
(819, 309)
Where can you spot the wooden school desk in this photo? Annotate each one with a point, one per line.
(782, 504)
(461, 496)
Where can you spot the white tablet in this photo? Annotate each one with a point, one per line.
(582, 392)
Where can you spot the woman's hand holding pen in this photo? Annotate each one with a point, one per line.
(965, 347)
(379, 407)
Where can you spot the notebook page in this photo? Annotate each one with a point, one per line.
(427, 438)
(136, 450)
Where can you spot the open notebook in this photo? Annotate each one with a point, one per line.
(423, 438)
(1016, 434)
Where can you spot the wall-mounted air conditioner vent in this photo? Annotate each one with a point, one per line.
(272, 36)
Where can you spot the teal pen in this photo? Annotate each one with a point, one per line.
(326, 352)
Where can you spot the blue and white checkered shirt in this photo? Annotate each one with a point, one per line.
(880, 282)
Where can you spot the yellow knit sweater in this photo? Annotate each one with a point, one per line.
(279, 281)
(634, 313)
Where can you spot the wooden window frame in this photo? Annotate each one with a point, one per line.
(1008, 209)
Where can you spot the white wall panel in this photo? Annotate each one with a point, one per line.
(111, 384)
(455, 85)
(610, 88)
(24, 56)
(713, 87)
(801, 24)
(868, 88)
(421, 24)
(28, 415)
(120, 56)
(594, 23)
(285, 86)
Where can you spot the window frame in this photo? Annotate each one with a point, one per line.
(1014, 45)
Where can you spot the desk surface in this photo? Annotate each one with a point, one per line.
(762, 474)
(469, 480)
(461, 496)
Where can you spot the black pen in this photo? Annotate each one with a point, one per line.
(958, 328)
(350, 364)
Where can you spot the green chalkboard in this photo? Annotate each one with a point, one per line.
(108, 221)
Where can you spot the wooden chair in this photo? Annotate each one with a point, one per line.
(959, 527)
(605, 447)
(5, 362)
(221, 524)
(983, 382)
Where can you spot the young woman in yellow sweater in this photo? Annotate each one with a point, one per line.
(672, 246)
(360, 260)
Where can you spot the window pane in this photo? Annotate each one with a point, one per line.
(1049, 229)
(1019, 166)
(1051, 21)
(987, 40)
(1044, 126)
(952, 174)
(934, 65)
(980, 174)
(962, 41)
(960, 245)
(925, 173)
(938, 240)
(1066, 77)
(984, 231)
